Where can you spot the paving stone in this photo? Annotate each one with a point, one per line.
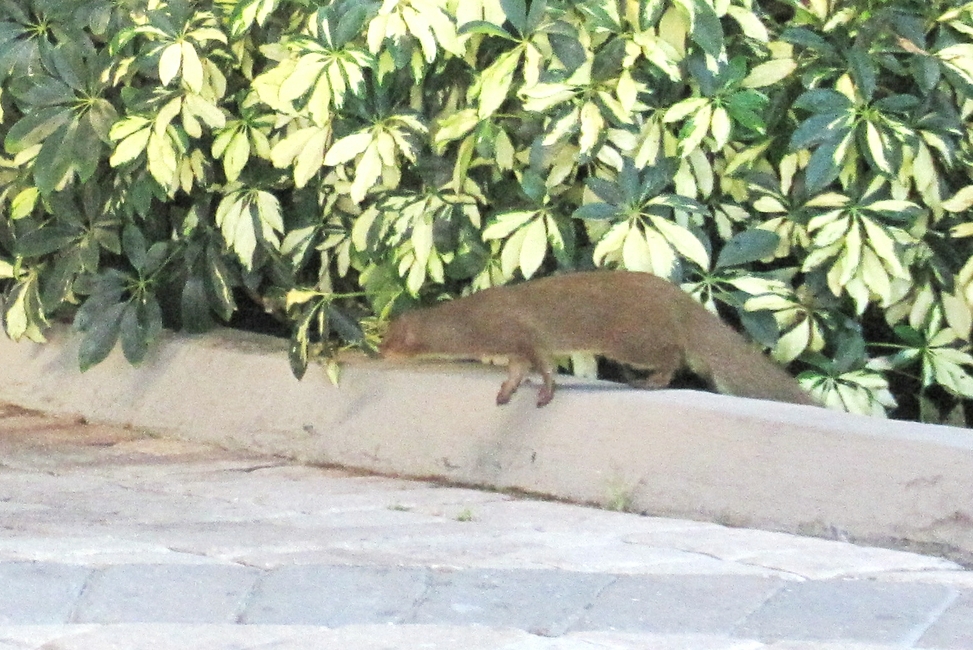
(289, 637)
(806, 557)
(954, 628)
(631, 641)
(336, 595)
(91, 550)
(852, 610)
(539, 601)
(39, 592)
(683, 604)
(166, 593)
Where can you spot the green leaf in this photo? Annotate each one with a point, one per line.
(862, 66)
(706, 30)
(484, 27)
(817, 129)
(134, 246)
(897, 103)
(297, 356)
(534, 186)
(108, 288)
(746, 108)
(35, 127)
(23, 204)
(748, 246)
(100, 336)
(596, 211)
(347, 327)
(42, 90)
(568, 50)
(535, 14)
(633, 188)
(806, 38)
(678, 202)
(46, 240)
(823, 100)
(351, 23)
(134, 335)
(194, 306)
(516, 13)
(156, 257)
(85, 150)
(605, 190)
(56, 160)
(220, 283)
(825, 163)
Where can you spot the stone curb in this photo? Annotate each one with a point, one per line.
(674, 453)
(545, 602)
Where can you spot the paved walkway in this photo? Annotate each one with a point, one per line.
(114, 539)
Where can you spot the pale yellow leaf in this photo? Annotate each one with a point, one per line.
(611, 243)
(507, 222)
(495, 83)
(310, 158)
(592, 125)
(510, 255)
(769, 73)
(636, 252)
(422, 239)
(961, 201)
(347, 148)
(455, 126)
(192, 67)
(962, 230)
(680, 110)
(720, 127)
(368, 170)
(169, 63)
(534, 248)
(130, 147)
(874, 275)
(958, 315)
(793, 342)
(769, 204)
(750, 23)
(420, 29)
(876, 146)
(504, 151)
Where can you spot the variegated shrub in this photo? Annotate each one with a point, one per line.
(805, 164)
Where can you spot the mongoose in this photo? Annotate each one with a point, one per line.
(636, 319)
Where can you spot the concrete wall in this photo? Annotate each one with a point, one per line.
(676, 453)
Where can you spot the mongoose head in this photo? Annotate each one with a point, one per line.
(400, 341)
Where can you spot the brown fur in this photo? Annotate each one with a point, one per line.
(637, 319)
